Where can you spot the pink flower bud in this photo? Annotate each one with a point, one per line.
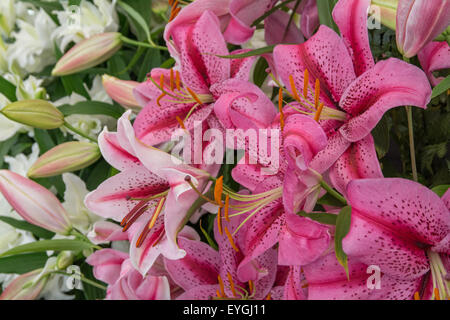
(88, 53)
(66, 157)
(121, 91)
(387, 11)
(24, 287)
(34, 203)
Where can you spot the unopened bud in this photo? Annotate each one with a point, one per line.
(121, 91)
(66, 157)
(88, 53)
(39, 114)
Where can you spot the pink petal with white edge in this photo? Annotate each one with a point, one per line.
(302, 241)
(112, 198)
(113, 152)
(33, 202)
(333, 66)
(105, 231)
(199, 267)
(351, 18)
(391, 83)
(392, 221)
(358, 162)
(336, 146)
(420, 22)
(199, 47)
(107, 264)
(433, 57)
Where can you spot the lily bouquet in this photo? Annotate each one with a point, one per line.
(225, 149)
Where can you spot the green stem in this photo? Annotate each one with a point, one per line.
(412, 149)
(71, 128)
(333, 192)
(142, 44)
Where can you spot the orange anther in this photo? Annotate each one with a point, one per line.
(230, 239)
(416, 296)
(318, 112)
(178, 80)
(230, 280)
(293, 88)
(306, 84)
(219, 221)
(222, 290)
(280, 107)
(218, 190)
(227, 207)
(181, 123)
(194, 96)
(251, 286)
(172, 80)
(157, 212)
(437, 296)
(317, 93)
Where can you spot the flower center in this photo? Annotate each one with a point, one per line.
(238, 292)
(311, 106)
(155, 202)
(179, 93)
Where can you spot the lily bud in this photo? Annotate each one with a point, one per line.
(39, 114)
(66, 157)
(64, 259)
(387, 10)
(88, 53)
(34, 203)
(25, 287)
(121, 91)
(419, 22)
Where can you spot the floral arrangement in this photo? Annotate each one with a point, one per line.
(224, 149)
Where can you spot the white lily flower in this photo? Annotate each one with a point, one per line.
(33, 49)
(80, 217)
(81, 22)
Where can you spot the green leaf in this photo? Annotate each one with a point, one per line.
(329, 200)
(441, 87)
(381, 137)
(44, 140)
(24, 225)
(44, 245)
(441, 190)
(322, 217)
(8, 89)
(92, 107)
(325, 8)
(91, 292)
(137, 19)
(342, 228)
(23, 263)
(260, 74)
(5, 147)
(151, 60)
(257, 52)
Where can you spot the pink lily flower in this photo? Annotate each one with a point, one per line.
(177, 99)
(271, 209)
(433, 57)
(220, 275)
(152, 204)
(124, 282)
(235, 18)
(404, 228)
(346, 91)
(419, 22)
(34, 203)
